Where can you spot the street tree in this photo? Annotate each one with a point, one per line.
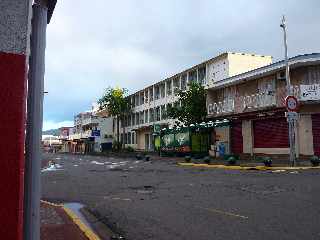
(116, 102)
(193, 105)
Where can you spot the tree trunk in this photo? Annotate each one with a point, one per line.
(118, 133)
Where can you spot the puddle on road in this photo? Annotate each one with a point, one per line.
(52, 167)
(75, 208)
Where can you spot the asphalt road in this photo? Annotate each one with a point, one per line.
(160, 200)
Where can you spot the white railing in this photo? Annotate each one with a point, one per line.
(226, 106)
(258, 100)
(90, 120)
(75, 136)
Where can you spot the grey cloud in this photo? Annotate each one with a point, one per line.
(133, 44)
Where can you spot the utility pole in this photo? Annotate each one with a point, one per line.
(291, 121)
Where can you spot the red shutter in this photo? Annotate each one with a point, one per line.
(236, 138)
(316, 133)
(271, 133)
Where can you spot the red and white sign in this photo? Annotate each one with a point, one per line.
(292, 103)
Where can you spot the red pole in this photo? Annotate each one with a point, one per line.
(13, 62)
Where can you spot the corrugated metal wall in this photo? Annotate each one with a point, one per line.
(316, 133)
(271, 133)
(236, 137)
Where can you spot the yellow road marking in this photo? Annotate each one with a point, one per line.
(223, 212)
(263, 168)
(82, 226)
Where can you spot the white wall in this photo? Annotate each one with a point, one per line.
(217, 70)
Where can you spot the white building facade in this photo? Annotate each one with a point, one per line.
(150, 104)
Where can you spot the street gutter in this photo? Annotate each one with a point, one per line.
(258, 168)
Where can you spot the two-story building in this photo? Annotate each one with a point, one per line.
(91, 133)
(253, 102)
(150, 103)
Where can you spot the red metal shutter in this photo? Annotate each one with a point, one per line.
(271, 133)
(316, 133)
(236, 138)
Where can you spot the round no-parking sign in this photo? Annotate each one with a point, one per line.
(292, 103)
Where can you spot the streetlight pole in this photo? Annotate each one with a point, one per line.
(291, 122)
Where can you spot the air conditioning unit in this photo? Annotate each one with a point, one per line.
(281, 75)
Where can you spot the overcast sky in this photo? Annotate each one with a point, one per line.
(95, 44)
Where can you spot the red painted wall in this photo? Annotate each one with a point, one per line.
(12, 133)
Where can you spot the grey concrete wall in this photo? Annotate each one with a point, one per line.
(15, 26)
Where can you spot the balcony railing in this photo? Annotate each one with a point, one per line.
(89, 120)
(226, 106)
(252, 102)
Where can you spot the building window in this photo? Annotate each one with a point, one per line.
(163, 112)
(169, 88)
(157, 92)
(157, 114)
(151, 94)
(129, 120)
(169, 105)
(146, 96)
(137, 100)
(137, 118)
(146, 117)
(141, 98)
(176, 86)
(133, 119)
(129, 137)
(151, 115)
(142, 117)
(202, 75)
(184, 82)
(163, 90)
(133, 138)
(193, 76)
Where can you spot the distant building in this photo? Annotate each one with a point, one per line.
(51, 143)
(91, 133)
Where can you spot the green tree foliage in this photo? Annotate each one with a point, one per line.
(115, 101)
(193, 105)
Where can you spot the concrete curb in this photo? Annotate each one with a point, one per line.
(83, 227)
(51, 204)
(260, 168)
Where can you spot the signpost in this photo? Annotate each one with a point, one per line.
(291, 101)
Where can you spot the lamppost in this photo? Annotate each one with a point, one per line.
(291, 118)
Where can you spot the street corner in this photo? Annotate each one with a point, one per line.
(59, 222)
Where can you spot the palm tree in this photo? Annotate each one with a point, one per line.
(117, 104)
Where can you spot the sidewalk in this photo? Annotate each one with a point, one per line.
(57, 225)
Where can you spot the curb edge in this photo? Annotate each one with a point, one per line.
(81, 225)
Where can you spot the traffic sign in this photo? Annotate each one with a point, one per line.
(292, 103)
(292, 116)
